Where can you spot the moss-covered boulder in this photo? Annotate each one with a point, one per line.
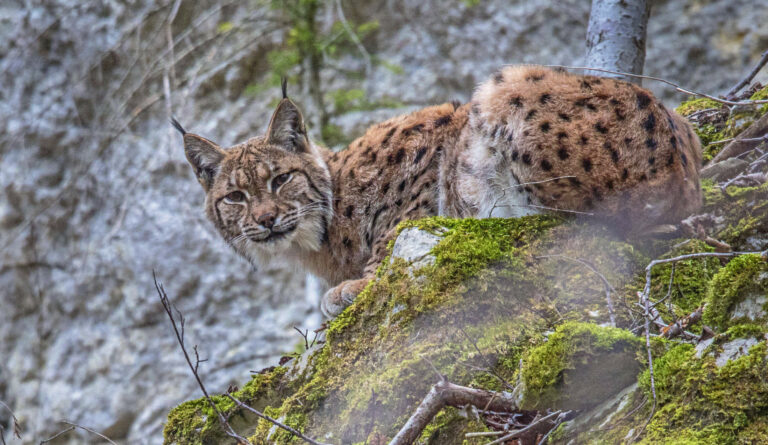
(545, 308)
(580, 366)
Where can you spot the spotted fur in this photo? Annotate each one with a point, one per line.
(531, 140)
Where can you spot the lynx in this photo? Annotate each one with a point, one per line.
(531, 140)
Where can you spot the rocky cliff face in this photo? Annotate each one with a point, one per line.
(95, 193)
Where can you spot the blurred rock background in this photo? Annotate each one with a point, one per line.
(95, 193)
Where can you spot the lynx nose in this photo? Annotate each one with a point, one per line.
(267, 220)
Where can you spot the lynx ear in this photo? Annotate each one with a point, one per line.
(286, 129)
(204, 156)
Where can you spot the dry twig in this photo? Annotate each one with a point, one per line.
(731, 94)
(273, 421)
(14, 420)
(168, 307)
(72, 427)
(531, 426)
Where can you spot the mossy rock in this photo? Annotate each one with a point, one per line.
(500, 292)
(497, 286)
(579, 367)
(736, 215)
(723, 124)
(738, 294)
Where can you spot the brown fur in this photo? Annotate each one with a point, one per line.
(530, 140)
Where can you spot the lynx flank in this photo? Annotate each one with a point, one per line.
(531, 140)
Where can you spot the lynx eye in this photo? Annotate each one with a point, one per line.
(279, 180)
(236, 196)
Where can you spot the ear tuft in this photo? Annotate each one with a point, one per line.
(286, 129)
(284, 86)
(204, 156)
(178, 126)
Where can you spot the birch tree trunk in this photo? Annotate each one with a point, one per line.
(616, 37)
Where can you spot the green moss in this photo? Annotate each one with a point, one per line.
(497, 286)
(725, 125)
(688, 289)
(691, 106)
(745, 330)
(701, 403)
(744, 276)
(743, 212)
(195, 422)
(450, 425)
(546, 368)
(761, 94)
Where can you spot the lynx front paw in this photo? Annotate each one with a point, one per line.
(338, 298)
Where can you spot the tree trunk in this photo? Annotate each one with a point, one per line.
(616, 37)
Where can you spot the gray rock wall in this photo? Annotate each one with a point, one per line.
(95, 192)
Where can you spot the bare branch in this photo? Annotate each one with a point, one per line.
(273, 421)
(672, 84)
(353, 36)
(731, 94)
(14, 420)
(445, 394)
(62, 432)
(168, 307)
(72, 427)
(532, 425)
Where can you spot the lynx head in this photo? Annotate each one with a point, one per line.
(269, 194)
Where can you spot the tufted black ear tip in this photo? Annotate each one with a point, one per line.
(284, 86)
(178, 126)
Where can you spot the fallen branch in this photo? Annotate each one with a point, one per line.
(731, 94)
(528, 428)
(445, 394)
(72, 427)
(672, 84)
(678, 327)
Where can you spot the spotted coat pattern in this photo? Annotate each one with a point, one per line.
(530, 140)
